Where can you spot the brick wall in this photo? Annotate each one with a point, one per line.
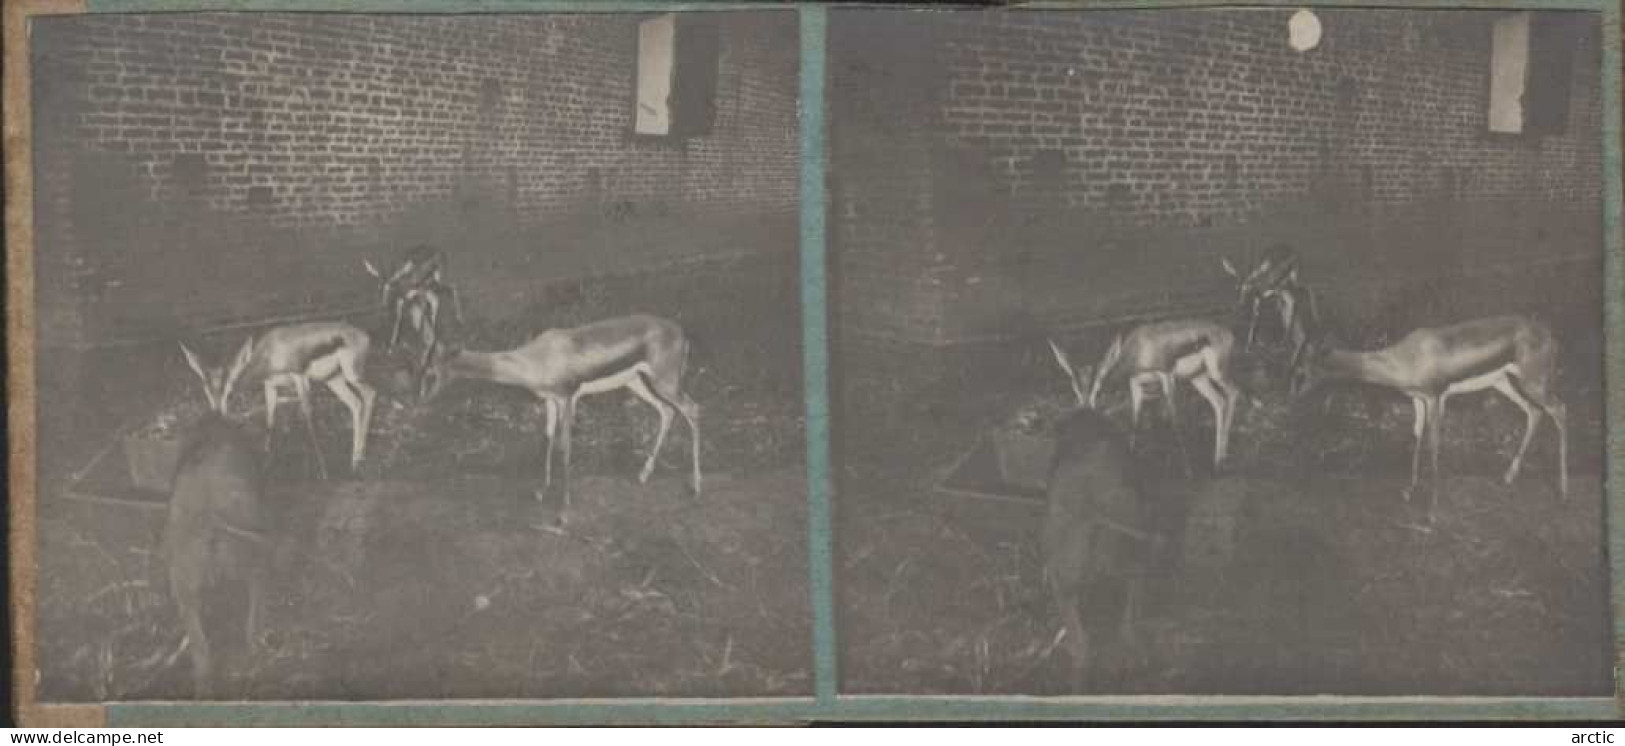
(1095, 165)
(882, 110)
(321, 137)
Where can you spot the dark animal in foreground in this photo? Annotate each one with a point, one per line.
(1097, 541)
(214, 542)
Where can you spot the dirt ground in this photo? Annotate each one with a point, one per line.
(1299, 569)
(433, 573)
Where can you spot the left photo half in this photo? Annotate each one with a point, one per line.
(415, 357)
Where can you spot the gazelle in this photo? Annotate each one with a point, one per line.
(1515, 355)
(1277, 268)
(420, 267)
(1300, 317)
(331, 352)
(420, 306)
(1158, 353)
(1097, 533)
(643, 354)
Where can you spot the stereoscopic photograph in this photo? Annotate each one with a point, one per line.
(1218, 352)
(418, 357)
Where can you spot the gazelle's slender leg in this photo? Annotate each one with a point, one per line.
(1559, 415)
(431, 319)
(400, 314)
(1165, 382)
(1205, 387)
(369, 396)
(256, 607)
(567, 416)
(361, 419)
(691, 414)
(1252, 324)
(1136, 399)
(456, 303)
(1555, 409)
(551, 431)
(270, 411)
(301, 386)
(352, 401)
(1532, 416)
(642, 391)
(1420, 430)
(1435, 416)
(1232, 399)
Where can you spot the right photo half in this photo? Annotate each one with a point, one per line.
(1218, 352)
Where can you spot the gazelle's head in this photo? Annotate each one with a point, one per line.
(1077, 377)
(1087, 380)
(386, 282)
(218, 380)
(1277, 265)
(1108, 363)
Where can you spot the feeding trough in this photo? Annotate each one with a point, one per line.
(151, 460)
(151, 448)
(1004, 465)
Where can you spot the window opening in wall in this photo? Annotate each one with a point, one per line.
(1509, 63)
(676, 84)
(1531, 71)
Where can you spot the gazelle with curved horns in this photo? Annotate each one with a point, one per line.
(643, 354)
(421, 267)
(1515, 355)
(1276, 269)
(420, 307)
(1156, 355)
(331, 352)
(1300, 318)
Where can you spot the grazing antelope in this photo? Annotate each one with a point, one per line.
(421, 267)
(1515, 355)
(1096, 532)
(213, 541)
(1277, 268)
(331, 352)
(644, 354)
(1156, 354)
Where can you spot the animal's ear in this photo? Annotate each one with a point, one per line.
(244, 354)
(1113, 352)
(1061, 358)
(193, 362)
(371, 270)
(1229, 269)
